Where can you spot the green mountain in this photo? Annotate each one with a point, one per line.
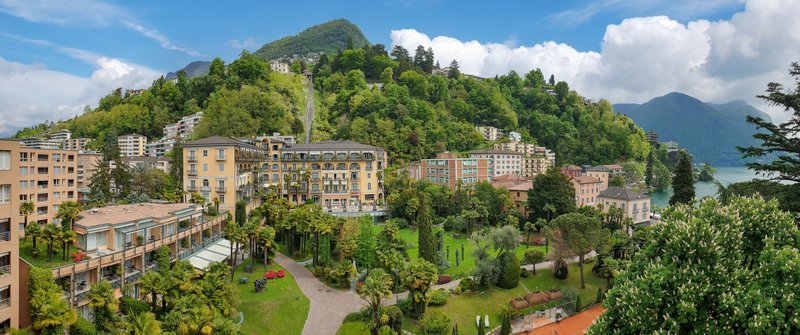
(194, 69)
(328, 37)
(709, 131)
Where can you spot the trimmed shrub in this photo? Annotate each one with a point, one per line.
(438, 298)
(561, 269)
(355, 317)
(386, 330)
(395, 316)
(509, 270)
(466, 285)
(82, 327)
(132, 306)
(435, 322)
(444, 279)
(406, 306)
(523, 273)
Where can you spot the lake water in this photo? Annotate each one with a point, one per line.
(725, 175)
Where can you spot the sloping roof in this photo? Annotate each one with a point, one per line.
(217, 141)
(600, 168)
(611, 166)
(522, 187)
(586, 179)
(495, 152)
(621, 193)
(332, 145)
(573, 167)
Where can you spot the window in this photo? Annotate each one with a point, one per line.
(205, 167)
(205, 153)
(221, 153)
(5, 194)
(221, 167)
(5, 160)
(23, 170)
(192, 184)
(205, 182)
(222, 198)
(221, 183)
(369, 186)
(23, 184)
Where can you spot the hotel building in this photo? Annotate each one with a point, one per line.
(448, 169)
(501, 161)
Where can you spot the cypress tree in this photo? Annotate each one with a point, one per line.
(505, 327)
(648, 172)
(683, 182)
(427, 242)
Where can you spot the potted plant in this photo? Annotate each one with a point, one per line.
(139, 240)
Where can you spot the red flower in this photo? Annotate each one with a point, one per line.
(281, 273)
(270, 274)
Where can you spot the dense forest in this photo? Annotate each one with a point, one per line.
(328, 37)
(411, 107)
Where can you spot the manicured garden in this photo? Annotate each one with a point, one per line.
(280, 309)
(26, 252)
(464, 267)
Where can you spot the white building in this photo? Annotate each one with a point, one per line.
(278, 66)
(160, 147)
(490, 133)
(501, 161)
(61, 135)
(515, 136)
(41, 143)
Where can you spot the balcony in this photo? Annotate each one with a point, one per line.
(221, 189)
(5, 303)
(191, 188)
(5, 270)
(192, 172)
(192, 158)
(5, 236)
(221, 157)
(205, 188)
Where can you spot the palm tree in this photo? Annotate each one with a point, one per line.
(216, 203)
(144, 324)
(529, 228)
(377, 286)
(251, 230)
(26, 208)
(23, 331)
(67, 212)
(104, 303)
(320, 225)
(68, 237)
(51, 235)
(34, 230)
(54, 314)
(266, 238)
(234, 234)
(306, 176)
(153, 282)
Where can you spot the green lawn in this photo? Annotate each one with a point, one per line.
(544, 280)
(280, 309)
(465, 267)
(353, 328)
(26, 252)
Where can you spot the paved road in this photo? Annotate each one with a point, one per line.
(310, 109)
(328, 306)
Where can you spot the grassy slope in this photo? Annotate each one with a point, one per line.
(280, 309)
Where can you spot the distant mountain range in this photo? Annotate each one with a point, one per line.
(329, 37)
(709, 131)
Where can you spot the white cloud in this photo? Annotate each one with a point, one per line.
(247, 44)
(644, 57)
(679, 9)
(32, 93)
(85, 13)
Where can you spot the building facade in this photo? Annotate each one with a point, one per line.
(87, 164)
(518, 188)
(132, 145)
(159, 163)
(572, 171)
(449, 170)
(587, 189)
(10, 219)
(160, 147)
(76, 144)
(222, 168)
(501, 161)
(600, 173)
(635, 205)
(279, 66)
(490, 133)
(334, 174)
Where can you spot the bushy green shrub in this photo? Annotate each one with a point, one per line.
(131, 306)
(406, 305)
(82, 327)
(523, 273)
(466, 285)
(561, 269)
(435, 322)
(438, 298)
(395, 318)
(509, 270)
(386, 330)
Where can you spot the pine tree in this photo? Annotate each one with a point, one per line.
(505, 327)
(427, 242)
(454, 71)
(648, 172)
(683, 182)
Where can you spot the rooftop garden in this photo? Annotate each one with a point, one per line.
(38, 256)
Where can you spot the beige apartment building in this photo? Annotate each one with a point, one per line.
(223, 168)
(518, 188)
(9, 231)
(332, 173)
(132, 145)
(449, 170)
(587, 189)
(87, 164)
(535, 159)
(490, 133)
(635, 205)
(600, 173)
(76, 143)
(119, 241)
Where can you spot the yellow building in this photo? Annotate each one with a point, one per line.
(222, 168)
(132, 145)
(600, 173)
(332, 173)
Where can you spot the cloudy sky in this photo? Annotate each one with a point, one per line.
(57, 57)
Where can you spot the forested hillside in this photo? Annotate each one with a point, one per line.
(412, 113)
(246, 99)
(328, 37)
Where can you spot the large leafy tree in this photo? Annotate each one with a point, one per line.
(104, 305)
(683, 182)
(713, 269)
(418, 276)
(426, 240)
(779, 140)
(552, 194)
(578, 235)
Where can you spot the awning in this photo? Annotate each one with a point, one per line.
(135, 228)
(215, 253)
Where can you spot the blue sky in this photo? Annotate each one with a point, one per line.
(57, 57)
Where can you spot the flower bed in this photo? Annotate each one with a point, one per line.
(270, 274)
(444, 279)
(280, 273)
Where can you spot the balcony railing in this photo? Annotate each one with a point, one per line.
(192, 172)
(191, 188)
(5, 236)
(5, 303)
(192, 158)
(5, 270)
(221, 189)
(221, 157)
